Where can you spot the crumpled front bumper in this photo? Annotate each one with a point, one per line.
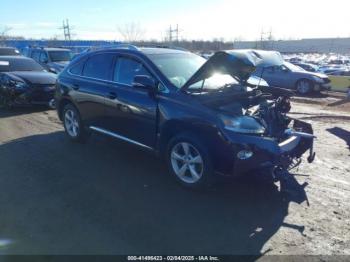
(267, 152)
(38, 95)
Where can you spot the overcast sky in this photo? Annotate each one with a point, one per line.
(197, 19)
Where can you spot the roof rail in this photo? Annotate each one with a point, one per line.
(124, 46)
(127, 46)
(166, 46)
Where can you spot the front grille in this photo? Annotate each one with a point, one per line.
(39, 94)
(38, 87)
(42, 96)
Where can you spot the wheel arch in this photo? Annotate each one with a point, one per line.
(208, 134)
(61, 104)
(172, 128)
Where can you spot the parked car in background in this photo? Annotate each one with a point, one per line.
(340, 73)
(52, 59)
(199, 115)
(25, 82)
(9, 51)
(329, 68)
(293, 77)
(344, 62)
(307, 67)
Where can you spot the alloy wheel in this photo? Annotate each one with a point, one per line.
(71, 123)
(187, 162)
(304, 87)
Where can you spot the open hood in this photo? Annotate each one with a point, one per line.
(240, 64)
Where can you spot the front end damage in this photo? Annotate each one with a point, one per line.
(254, 119)
(272, 153)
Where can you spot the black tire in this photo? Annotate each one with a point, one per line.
(304, 86)
(207, 177)
(81, 135)
(5, 102)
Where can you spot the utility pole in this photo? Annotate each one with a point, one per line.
(270, 38)
(66, 30)
(171, 33)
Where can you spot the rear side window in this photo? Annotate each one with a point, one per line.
(99, 66)
(126, 69)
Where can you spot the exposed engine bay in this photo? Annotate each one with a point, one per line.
(269, 107)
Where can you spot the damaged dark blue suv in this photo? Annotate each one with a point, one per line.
(205, 118)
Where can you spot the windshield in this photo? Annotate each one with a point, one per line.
(214, 82)
(292, 67)
(177, 67)
(19, 65)
(59, 56)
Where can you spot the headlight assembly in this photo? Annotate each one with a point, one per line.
(242, 124)
(18, 85)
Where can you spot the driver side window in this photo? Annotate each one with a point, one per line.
(126, 69)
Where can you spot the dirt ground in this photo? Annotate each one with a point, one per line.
(106, 197)
(327, 219)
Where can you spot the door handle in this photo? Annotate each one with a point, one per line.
(76, 86)
(112, 95)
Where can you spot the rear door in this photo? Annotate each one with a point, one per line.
(132, 112)
(90, 88)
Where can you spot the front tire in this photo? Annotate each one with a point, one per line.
(73, 125)
(189, 161)
(5, 102)
(304, 86)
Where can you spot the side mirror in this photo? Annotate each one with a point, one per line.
(144, 82)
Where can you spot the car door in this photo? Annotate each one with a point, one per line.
(132, 112)
(277, 76)
(90, 88)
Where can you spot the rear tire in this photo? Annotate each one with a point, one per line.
(189, 161)
(73, 125)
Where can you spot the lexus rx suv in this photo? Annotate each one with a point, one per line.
(202, 117)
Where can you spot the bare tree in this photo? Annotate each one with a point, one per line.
(131, 32)
(4, 34)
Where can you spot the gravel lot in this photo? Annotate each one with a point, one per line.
(106, 197)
